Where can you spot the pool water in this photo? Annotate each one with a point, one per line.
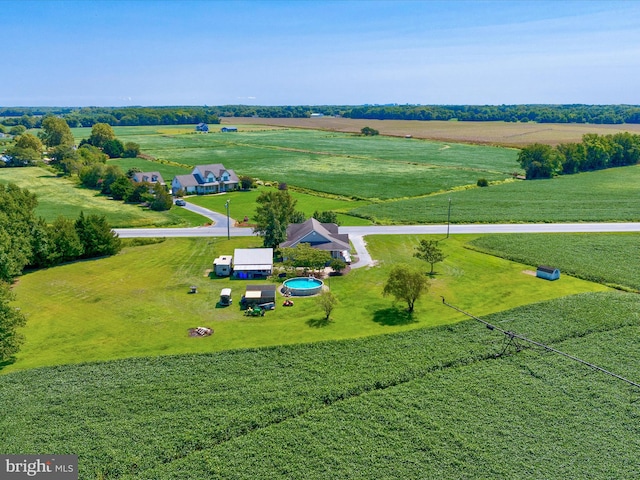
(302, 286)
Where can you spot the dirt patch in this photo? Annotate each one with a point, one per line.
(244, 224)
(529, 272)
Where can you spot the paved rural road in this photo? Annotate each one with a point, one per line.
(357, 234)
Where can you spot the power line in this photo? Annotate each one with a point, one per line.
(513, 337)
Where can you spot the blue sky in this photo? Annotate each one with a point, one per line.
(113, 53)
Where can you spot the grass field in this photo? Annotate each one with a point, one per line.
(60, 196)
(430, 403)
(243, 204)
(146, 309)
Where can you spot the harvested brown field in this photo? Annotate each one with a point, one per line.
(487, 133)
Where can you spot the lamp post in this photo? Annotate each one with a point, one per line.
(226, 205)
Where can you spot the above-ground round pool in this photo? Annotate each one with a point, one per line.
(302, 286)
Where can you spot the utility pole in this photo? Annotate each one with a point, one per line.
(449, 217)
(226, 205)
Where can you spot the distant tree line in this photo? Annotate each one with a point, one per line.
(609, 114)
(56, 140)
(595, 152)
(129, 116)
(29, 242)
(121, 116)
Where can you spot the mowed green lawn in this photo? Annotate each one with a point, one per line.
(137, 303)
(243, 204)
(61, 196)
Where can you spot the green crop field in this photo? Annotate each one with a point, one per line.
(335, 163)
(430, 403)
(373, 393)
(396, 180)
(606, 195)
(146, 309)
(408, 181)
(602, 258)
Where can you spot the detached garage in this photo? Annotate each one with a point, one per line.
(548, 273)
(258, 295)
(249, 263)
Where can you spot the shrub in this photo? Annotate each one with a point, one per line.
(482, 182)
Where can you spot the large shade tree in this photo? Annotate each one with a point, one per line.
(17, 221)
(96, 236)
(406, 284)
(275, 211)
(26, 151)
(56, 132)
(539, 161)
(101, 133)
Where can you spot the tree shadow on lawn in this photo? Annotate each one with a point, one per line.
(9, 361)
(393, 316)
(318, 322)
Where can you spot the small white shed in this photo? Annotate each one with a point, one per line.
(222, 265)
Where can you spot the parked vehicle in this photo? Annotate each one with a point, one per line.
(225, 297)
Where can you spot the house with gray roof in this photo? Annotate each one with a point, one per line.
(206, 179)
(323, 236)
(149, 177)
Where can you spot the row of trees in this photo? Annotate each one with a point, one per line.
(57, 140)
(125, 116)
(110, 180)
(595, 152)
(121, 116)
(29, 242)
(601, 114)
